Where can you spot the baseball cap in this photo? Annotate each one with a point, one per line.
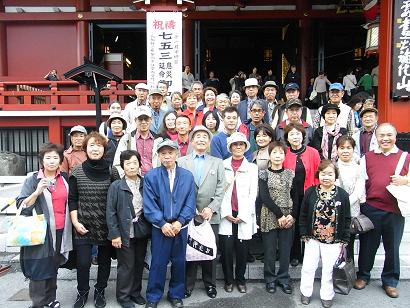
(167, 143)
(78, 129)
(143, 111)
(292, 86)
(336, 86)
(155, 91)
(294, 102)
(141, 85)
(368, 109)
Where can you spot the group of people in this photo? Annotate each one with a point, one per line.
(246, 166)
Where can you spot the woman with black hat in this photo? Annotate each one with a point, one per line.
(325, 137)
(117, 126)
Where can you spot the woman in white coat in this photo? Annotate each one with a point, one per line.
(238, 218)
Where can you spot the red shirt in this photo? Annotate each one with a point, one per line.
(183, 146)
(144, 147)
(59, 199)
(234, 199)
(195, 117)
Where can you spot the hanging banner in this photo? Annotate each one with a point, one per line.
(401, 49)
(164, 49)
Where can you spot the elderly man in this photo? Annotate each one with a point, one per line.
(365, 137)
(270, 89)
(156, 99)
(163, 87)
(291, 91)
(209, 178)
(251, 90)
(378, 168)
(75, 154)
(169, 205)
(141, 139)
(248, 128)
(141, 91)
(293, 113)
(198, 89)
(219, 144)
(346, 116)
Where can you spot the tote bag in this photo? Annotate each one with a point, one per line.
(201, 245)
(401, 192)
(26, 230)
(344, 274)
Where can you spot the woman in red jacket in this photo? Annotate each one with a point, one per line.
(303, 160)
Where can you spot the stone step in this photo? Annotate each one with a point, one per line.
(254, 270)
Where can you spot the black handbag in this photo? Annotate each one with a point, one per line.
(142, 228)
(361, 224)
(344, 274)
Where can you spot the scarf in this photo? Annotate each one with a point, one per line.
(325, 142)
(97, 170)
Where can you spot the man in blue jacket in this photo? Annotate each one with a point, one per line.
(169, 204)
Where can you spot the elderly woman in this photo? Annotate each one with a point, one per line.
(176, 102)
(210, 94)
(46, 191)
(87, 200)
(325, 137)
(167, 130)
(117, 126)
(325, 227)
(124, 209)
(303, 160)
(351, 180)
(238, 219)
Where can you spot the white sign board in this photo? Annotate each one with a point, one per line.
(164, 49)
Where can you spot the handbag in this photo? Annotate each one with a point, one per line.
(361, 224)
(344, 274)
(201, 244)
(401, 192)
(26, 230)
(142, 228)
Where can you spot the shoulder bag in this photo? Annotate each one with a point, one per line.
(344, 273)
(401, 192)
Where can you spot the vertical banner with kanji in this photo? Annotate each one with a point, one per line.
(164, 49)
(401, 49)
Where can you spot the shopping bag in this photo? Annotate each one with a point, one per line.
(26, 230)
(344, 274)
(201, 245)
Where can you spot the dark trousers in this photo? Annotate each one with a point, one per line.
(208, 270)
(84, 263)
(350, 247)
(164, 249)
(43, 292)
(271, 240)
(389, 227)
(297, 249)
(321, 98)
(230, 245)
(129, 269)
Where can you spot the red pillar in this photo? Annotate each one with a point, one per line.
(82, 32)
(187, 42)
(3, 46)
(55, 130)
(397, 113)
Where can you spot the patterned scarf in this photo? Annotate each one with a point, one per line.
(325, 141)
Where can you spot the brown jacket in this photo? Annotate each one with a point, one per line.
(71, 159)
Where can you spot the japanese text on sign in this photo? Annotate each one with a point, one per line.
(401, 49)
(164, 49)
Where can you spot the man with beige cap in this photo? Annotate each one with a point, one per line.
(141, 91)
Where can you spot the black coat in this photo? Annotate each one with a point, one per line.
(307, 209)
(119, 217)
(317, 141)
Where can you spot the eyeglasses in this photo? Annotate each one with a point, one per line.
(256, 110)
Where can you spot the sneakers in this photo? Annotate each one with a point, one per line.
(99, 298)
(81, 300)
(54, 304)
